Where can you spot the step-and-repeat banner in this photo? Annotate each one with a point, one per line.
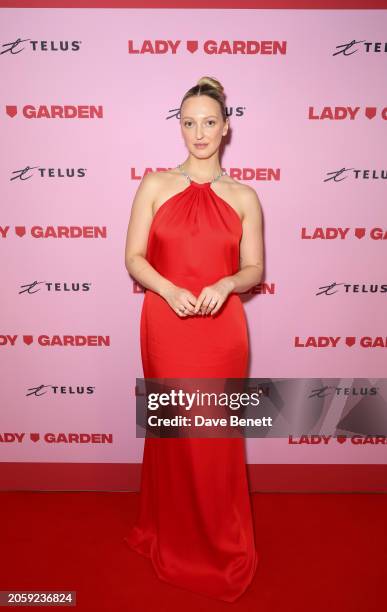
(89, 104)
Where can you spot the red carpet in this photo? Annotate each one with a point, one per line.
(318, 553)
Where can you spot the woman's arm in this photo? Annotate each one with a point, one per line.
(137, 238)
(251, 245)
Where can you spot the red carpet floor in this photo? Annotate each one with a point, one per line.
(323, 552)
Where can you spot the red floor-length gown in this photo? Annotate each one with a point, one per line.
(195, 520)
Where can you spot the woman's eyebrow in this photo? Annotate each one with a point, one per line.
(188, 117)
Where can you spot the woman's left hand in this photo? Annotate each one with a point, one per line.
(211, 298)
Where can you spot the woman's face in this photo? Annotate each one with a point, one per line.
(201, 122)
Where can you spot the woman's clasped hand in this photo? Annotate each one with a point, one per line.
(209, 301)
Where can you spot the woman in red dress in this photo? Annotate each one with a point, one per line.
(195, 242)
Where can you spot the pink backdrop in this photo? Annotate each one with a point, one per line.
(84, 173)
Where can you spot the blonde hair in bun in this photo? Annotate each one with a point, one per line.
(206, 80)
(211, 87)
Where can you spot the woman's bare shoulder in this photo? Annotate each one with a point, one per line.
(244, 196)
(241, 188)
(163, 184)
(165, 176)
(164, 179)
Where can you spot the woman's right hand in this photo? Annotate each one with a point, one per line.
(181, 300)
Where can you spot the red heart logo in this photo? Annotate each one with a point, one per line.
(350, 340)
(360, 232)
(192, 45)
(27, 339)
(341, 439)
(34, 437)
(11, 110)
(20, 230)
(370, 112)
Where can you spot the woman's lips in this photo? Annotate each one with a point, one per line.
(201, 146)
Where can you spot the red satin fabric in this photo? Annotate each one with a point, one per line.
(194, 520)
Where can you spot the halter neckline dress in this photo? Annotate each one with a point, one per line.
(194, 518)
